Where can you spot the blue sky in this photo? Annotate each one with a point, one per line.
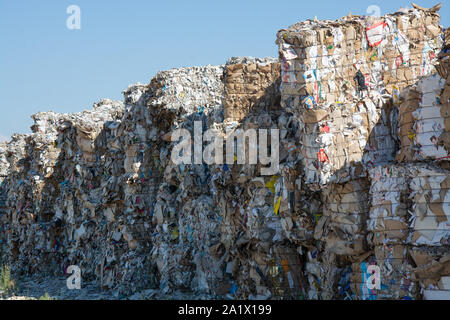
(45, 66)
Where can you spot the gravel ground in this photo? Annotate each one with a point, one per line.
(56, 288)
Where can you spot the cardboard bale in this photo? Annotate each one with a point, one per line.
(346, 208)
(430, 211)
(432, 269)
(250, 84)
(423, 120)
(388, 218)
(329, 275)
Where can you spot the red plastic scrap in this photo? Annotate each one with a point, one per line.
(325, 129)
(322, 156)
(399, 61)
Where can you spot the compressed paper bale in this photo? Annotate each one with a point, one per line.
(328, 276)
(388, 212)
(187, 89)
(255, 226)
(396, 272)
(191, 252)
(394, 269)
(250, 84)
(432, 266)
(430, 210)
(423, 123)
(272, 272)
(345, 207)
(359, 277)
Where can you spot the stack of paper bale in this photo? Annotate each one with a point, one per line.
(389, 227)
(99, 189)
(340, 79)
(338, 76)
(186, 248)
(231, 246)
(410, 214)
(51, 196)
(340, 232)
(409, 228)
(227, 239)
(329, 274)
(96, 232)
(266, 218)
(261, 232)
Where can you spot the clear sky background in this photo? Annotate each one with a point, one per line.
(45, 66)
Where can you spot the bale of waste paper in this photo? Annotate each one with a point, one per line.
(424, 123)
